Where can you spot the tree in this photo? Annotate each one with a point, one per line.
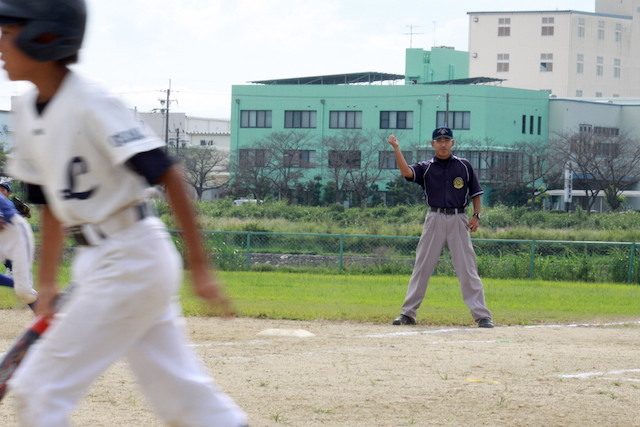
(203, 166)
(352, 158)
(607, 163)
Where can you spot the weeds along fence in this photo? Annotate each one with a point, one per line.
(362, 254)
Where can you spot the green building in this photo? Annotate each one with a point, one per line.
(335, 128)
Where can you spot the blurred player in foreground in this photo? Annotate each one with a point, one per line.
(88, 162)
(22, 208)
(16, 243)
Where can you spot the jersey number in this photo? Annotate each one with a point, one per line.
(76, 167)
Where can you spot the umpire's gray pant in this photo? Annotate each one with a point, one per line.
(450, 230)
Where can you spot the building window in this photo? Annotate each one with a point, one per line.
(580, 64)
(207, 142)
(396, 119)
(387, 159)
(547, 26)
(581, 27)
(299, 119)
(503, 62)
(345, 119)
(616, 68)
(255, 118)
(504, 27)
(299, 158)
(618, 33)
(531, 121)
(344, 159)
(253, 157)
(546, 62)
(616, 95)
(578, 93)
(600, 30)
(598, 94)
(599, 66)
(454, 119)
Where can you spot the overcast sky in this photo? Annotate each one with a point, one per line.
(135, 47)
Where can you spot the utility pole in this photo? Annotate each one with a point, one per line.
(166, 118)
(177, 140)
(446, 111)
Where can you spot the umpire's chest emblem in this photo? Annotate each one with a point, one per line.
(458, 183)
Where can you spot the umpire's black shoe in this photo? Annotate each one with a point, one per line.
(404, 320)
(485, 323)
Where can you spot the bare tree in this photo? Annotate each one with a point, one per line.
(352, 159)
(203, 166)
(250, 176)
(619, 168)
(289, 154)
(606, 163)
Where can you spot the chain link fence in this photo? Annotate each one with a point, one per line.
(504, 259)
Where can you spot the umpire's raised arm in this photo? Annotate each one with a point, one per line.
(405, 170)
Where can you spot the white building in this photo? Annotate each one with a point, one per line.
(566, 52)
(189, 131)
(193, 132)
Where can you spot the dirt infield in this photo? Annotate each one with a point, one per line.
(350, 374)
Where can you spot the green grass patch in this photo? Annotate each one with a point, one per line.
(378, 298)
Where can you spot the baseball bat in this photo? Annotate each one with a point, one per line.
(16, 353)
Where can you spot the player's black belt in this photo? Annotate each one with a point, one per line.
(95, 234)
(448, 211)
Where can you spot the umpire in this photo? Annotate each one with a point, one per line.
(448, 182)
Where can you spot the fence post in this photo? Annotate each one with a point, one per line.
(631, 262)
(532, 259)
(248, 256)
(340, 258)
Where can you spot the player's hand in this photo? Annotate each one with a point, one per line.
(207, 287)
(45, 302)
(393, 141)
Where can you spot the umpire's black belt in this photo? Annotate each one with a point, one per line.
(448, 211)
(95, 234)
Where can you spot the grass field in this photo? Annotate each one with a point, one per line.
(364, 298)
(377, 298)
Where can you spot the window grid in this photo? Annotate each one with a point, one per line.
(255, 119)
(396, 119)
(300, 119)
(345, 120)
(456, 119)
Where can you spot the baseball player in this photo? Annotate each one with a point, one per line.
(448, 182)
(88, 161)
(16, 243)
(22, 208)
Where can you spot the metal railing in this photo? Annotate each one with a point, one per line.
(510, 259)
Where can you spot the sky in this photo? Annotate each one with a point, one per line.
(200, 48)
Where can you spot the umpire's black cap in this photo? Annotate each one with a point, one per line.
(442, 132)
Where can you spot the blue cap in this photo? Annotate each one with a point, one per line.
(442, 132)
(7, 186)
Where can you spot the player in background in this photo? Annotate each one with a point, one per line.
(16, 243)
(22, 208)
(88, 161)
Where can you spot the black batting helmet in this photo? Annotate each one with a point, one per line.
(63, 19)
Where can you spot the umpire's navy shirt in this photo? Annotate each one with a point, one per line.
(446, 183)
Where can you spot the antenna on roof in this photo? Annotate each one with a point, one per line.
(411, 34)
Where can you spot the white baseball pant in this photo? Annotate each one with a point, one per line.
(122, 305)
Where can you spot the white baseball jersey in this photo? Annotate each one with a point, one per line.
(81, 159)
(123, 302)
